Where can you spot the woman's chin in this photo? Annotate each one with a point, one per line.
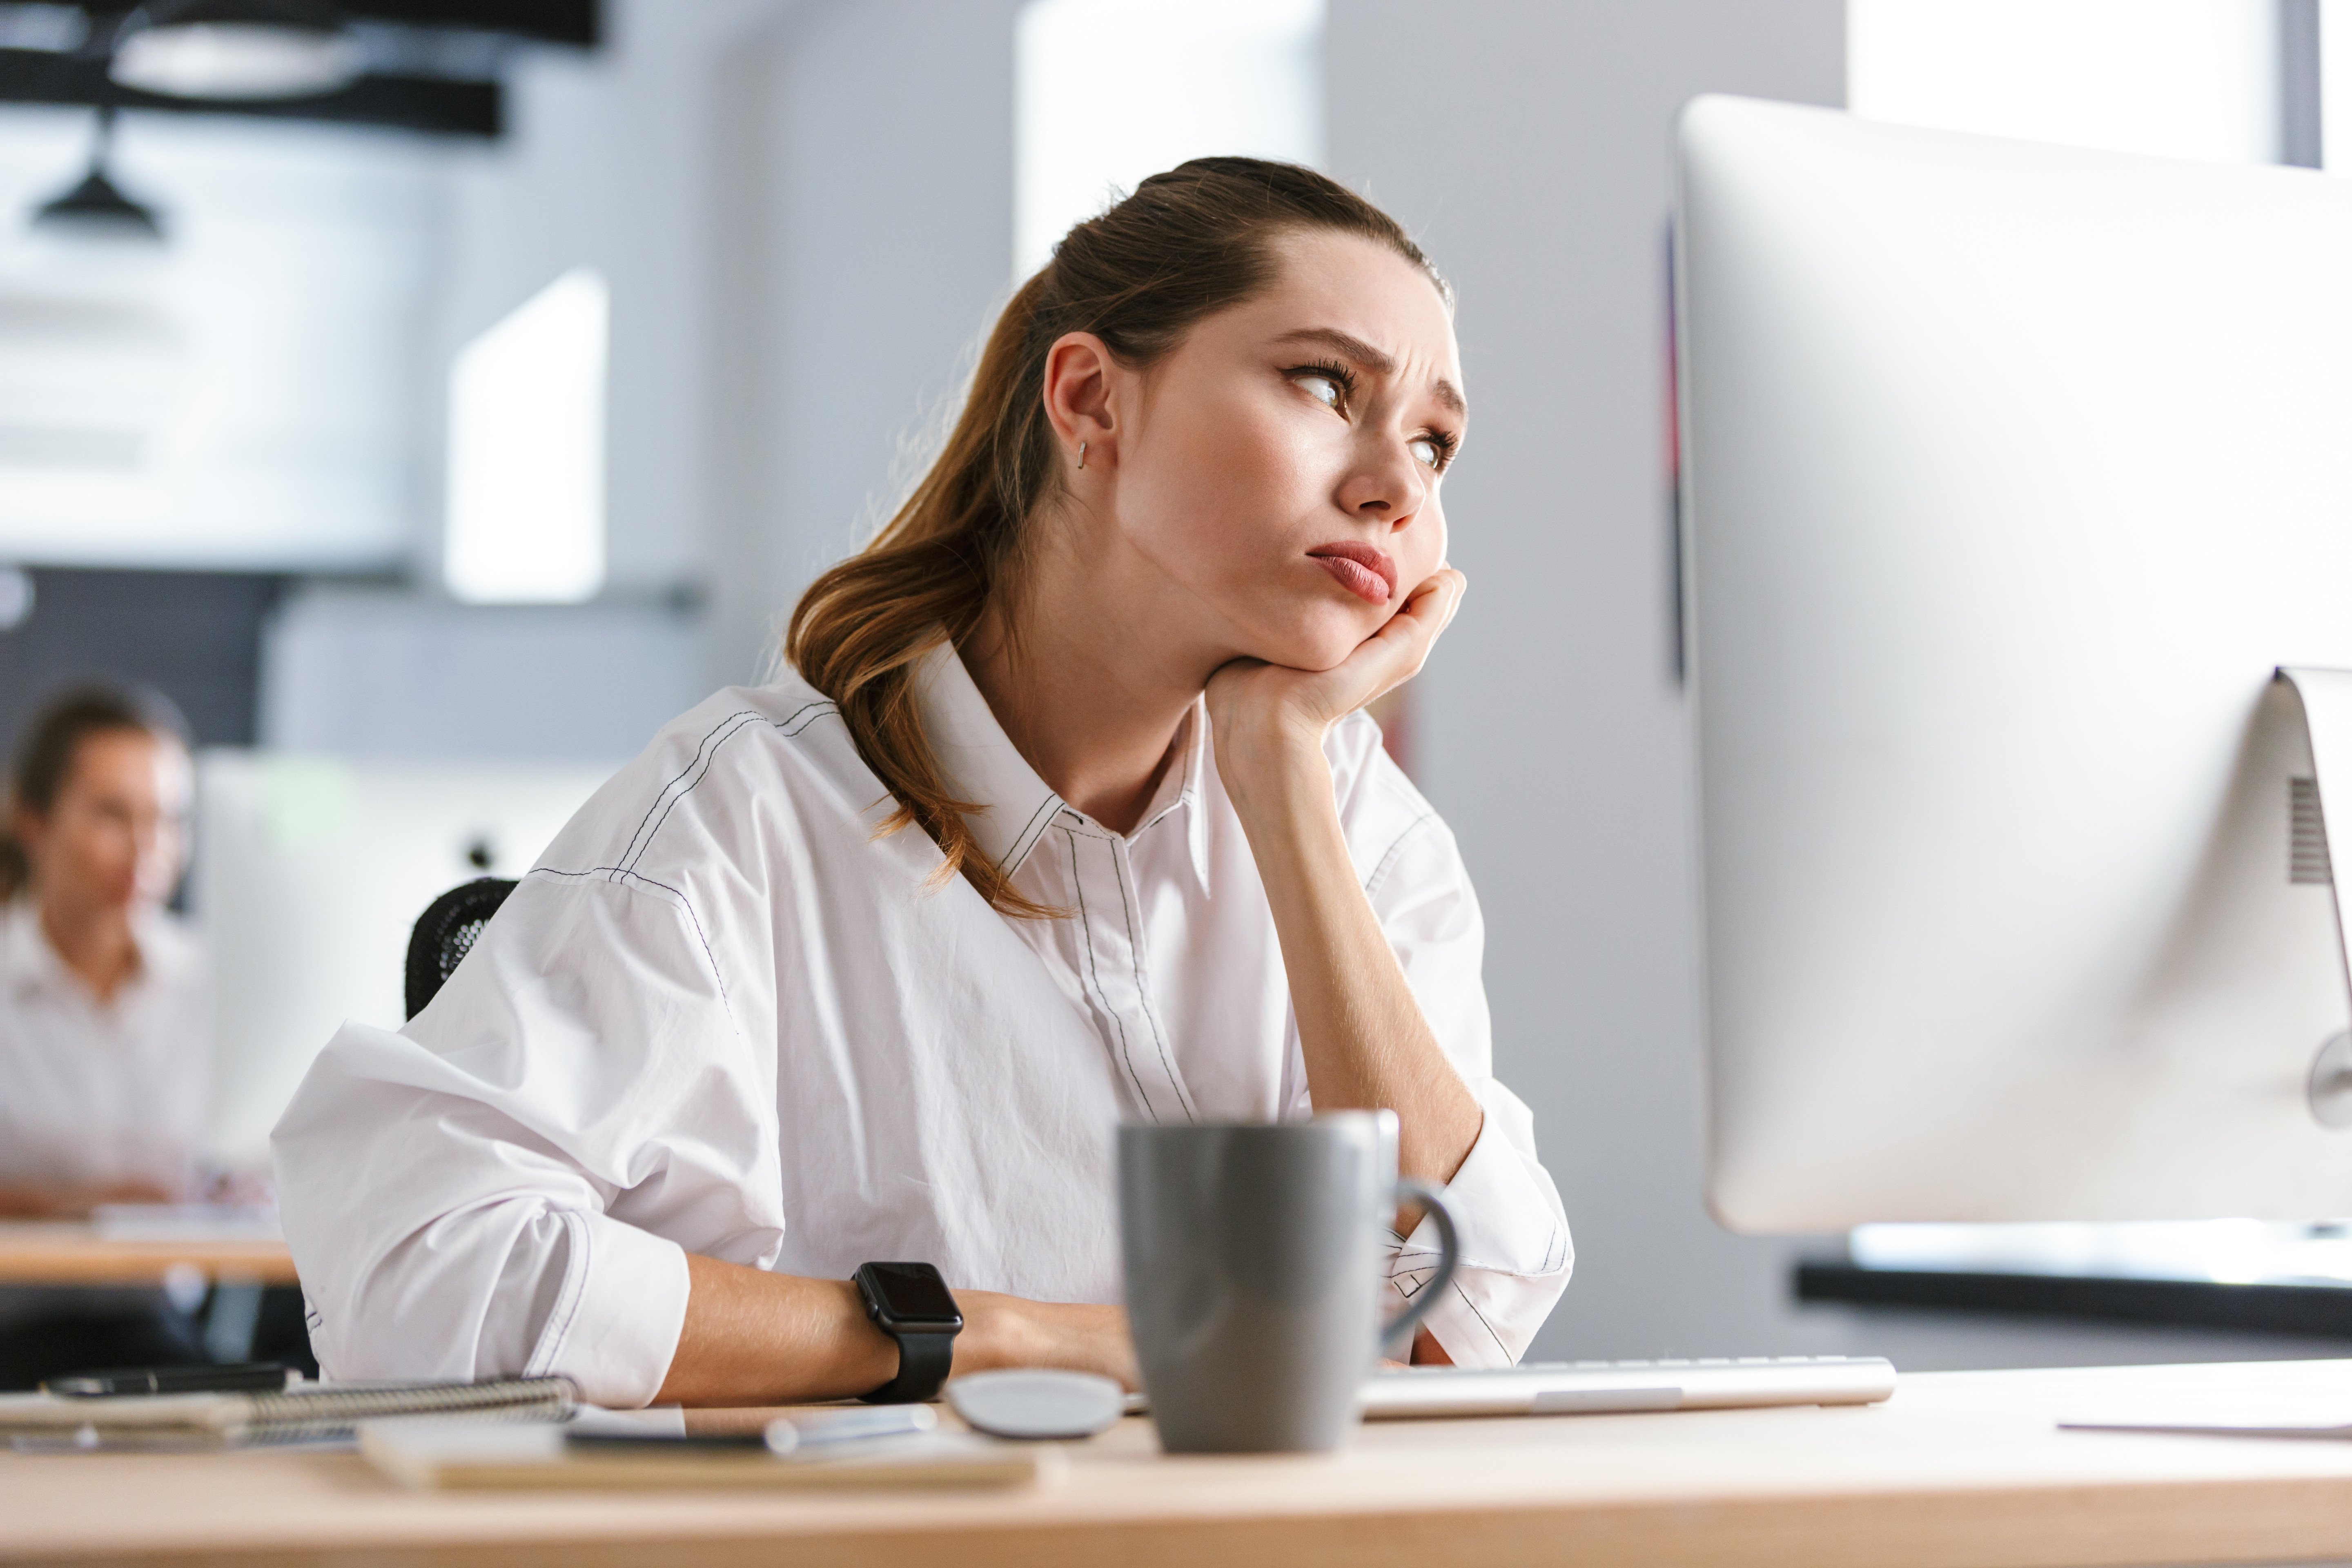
(1311, 653)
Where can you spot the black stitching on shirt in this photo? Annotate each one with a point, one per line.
(1086, 934)
(1142, 996)
(1030, 830)
(705, 757)
(1481, 1317)
(641, 842)
(664, 792)
(616, 874)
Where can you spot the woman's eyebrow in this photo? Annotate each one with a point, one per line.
(1347, 346)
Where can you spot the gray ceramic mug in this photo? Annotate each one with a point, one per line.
(1253, 1258)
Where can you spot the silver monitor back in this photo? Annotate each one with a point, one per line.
(2010, 474)
(309, 873)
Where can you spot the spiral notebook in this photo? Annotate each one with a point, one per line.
(311, 1413)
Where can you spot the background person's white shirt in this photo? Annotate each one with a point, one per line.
(722, 1016)
(92, 1093)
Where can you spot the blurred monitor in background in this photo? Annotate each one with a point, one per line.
(310, 873)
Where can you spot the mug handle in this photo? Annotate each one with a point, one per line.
(1449, 1256)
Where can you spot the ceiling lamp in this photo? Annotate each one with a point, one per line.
(241, 49)
(96, 208)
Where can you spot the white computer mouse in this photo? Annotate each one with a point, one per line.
(1036, 1404)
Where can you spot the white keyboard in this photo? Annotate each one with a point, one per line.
(1595, 1388)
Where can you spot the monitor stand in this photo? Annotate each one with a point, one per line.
(2322, 698)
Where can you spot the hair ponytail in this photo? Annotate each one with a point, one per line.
(1187, 244)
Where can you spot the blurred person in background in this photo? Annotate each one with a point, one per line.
(104, 1046)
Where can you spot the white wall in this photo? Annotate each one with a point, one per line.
(1534, 165)
(860, 256)
(373, 673)
(613, 160)
(235, 397)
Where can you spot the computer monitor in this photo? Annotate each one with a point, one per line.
(2010, 474)
(309, 872)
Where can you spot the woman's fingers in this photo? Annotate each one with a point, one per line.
(1415, 629)
(1386, 659)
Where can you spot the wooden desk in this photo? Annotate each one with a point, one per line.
(63, 1254)
(1961, 1469)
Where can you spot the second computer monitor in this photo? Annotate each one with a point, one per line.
(2012, 474)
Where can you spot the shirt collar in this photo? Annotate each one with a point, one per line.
(27, 961)
(980, 766)
(1181, 786)
(978, 761)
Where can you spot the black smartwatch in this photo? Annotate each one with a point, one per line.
(910, 1302)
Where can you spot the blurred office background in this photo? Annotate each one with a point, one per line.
(489, 409)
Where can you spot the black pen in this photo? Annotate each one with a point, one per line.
(248, 1377)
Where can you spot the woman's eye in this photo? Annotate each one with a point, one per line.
(1429, 453)
(1323, 389)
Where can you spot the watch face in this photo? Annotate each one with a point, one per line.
(912, 1296)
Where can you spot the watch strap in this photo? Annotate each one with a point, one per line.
(924, 1362)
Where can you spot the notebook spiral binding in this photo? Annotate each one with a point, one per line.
(302, 1414)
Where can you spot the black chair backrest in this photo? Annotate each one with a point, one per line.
(447, 932)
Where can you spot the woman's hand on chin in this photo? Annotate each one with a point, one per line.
(1264, 714)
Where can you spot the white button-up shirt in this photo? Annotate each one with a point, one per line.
(94, 1093)
(722, 1017)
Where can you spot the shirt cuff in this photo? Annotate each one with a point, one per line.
(1505, 1210)
(1516, 1252)
(616, 1322)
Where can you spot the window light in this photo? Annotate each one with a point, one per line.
(526, 460)
(1108, 91)
(2336, 86)
(2182, 79)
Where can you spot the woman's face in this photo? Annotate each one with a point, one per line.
(1281, 468)
(113, 839)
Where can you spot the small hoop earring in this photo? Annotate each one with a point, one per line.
(1082, 456)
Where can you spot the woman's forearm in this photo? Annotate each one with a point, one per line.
(755, 1337)
(1364, 1040)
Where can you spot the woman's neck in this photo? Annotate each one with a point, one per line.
(96, 944)
(1086, 688)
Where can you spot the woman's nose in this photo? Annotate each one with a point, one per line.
(1388, 485)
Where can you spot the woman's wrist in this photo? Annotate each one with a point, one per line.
(1272, 763)
(993, 1335)
(1010, 1330)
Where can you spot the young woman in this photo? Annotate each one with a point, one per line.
(104, 1024)
(1068, 814)
(104, 1027)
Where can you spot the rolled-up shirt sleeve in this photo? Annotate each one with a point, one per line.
(1516, 1251)
(510, 1183)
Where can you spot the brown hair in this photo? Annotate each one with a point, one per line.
(45, 754)
(1187, 243)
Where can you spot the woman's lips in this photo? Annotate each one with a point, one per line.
(1364, 570)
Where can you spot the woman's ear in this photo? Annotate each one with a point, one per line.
(1079, 376)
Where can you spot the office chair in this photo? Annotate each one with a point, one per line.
(447, 932)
